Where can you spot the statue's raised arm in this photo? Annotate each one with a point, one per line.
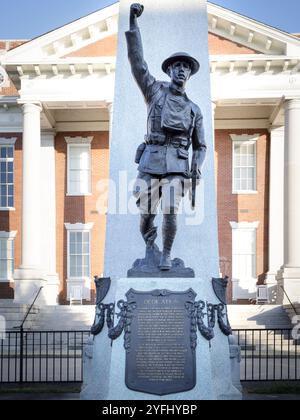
(138, 64)
(136, 10)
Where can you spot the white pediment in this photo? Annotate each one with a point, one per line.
(63, 41)
(251, 33)
(59, 43)
(50, 53)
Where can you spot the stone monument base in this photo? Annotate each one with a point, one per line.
(148, 267)
(105, 361)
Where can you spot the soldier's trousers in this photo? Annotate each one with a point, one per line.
(151, 190)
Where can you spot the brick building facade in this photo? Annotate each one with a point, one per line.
(65, 80)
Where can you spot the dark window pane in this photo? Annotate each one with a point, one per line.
(3, 152)
(10, 167)
(10, 152)
(3, 190)
(3, 167)
(3, 178)
(10, 201)
(10, 178)
(11, 190)
(3, 202)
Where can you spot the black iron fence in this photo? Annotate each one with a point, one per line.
(57, 356)
(42, 356)
(269, 355)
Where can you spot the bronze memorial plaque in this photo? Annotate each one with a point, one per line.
(160, 348)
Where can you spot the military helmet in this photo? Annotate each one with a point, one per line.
(181, 56)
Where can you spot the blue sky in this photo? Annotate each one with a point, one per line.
(24, 19)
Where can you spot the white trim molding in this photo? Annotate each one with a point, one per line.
(244, 225)
(11, 141)
(79, 227)
(245, 137)
(8, 235)
(79, 140)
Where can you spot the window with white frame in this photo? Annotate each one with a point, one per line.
(79, 254)
(79, 165)
(7, 173)
(244, 163)
(7, 256)
(79, 260)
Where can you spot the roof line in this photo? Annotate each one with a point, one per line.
(255, 20)
(66, 24)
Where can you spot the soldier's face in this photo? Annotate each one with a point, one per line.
(180, 72)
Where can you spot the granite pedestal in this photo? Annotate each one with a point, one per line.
(104, 362)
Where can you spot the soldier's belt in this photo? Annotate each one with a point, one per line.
(162, 140)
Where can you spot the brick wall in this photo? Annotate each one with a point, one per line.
(242, 208)
(219, 45)
(105, 47)
(80, 209)
(7, 46)
(231, 208)
(108, 47)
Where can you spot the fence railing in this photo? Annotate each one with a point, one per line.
(42, 356)
(57, 356)
(269, 355)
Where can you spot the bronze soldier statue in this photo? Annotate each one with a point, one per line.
(175, 124)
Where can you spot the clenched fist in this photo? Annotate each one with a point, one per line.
(136, 9)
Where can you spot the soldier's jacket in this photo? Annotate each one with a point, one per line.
(174, 121)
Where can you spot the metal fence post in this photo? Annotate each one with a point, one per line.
(21, 353)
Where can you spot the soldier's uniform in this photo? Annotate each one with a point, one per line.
(174, 124)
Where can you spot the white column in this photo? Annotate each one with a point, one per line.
(48, 211)
(110, 108)
(31, 246)
(276, 210)
(289, 276)
(213, 108)
(29, 278)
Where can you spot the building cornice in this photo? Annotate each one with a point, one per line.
(8, 141)
(79, 226)
(8, 235)
(244, 225)
(250, 32)
(79, 140)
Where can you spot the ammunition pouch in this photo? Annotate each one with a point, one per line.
(139, 153)
(167, 140)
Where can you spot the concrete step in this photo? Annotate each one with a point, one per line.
(68, 318)
(69, 309)
(62, 318)
(18, 316)
(258, 317)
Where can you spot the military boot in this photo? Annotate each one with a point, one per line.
(148, 230)
(169, 233)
